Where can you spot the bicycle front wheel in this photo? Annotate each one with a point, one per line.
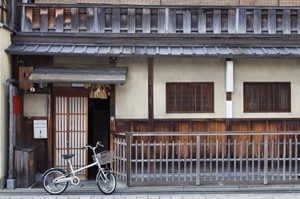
(106, 181)
(49, 181)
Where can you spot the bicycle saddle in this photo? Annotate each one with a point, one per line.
(68, 156)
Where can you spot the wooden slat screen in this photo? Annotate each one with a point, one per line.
(71, 130)
(190, 97)
(178, 20)
(267, 97)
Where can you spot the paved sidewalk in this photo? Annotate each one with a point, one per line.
(90, 191)
(158, 196)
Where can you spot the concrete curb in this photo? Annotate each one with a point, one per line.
(91, 188)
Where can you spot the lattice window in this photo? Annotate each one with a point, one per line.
(267, 97)
(190, 97)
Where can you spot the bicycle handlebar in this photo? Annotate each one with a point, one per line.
(93, 148)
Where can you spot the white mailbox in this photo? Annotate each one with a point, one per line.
(40, 129)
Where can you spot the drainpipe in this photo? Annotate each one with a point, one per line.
(12, 134)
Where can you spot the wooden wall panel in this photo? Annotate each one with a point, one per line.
(276, 126)
(238, 127)
(180, 140)
(255, 142)
(24, 73)
(217, 126)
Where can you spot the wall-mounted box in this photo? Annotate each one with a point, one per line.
(40, 129)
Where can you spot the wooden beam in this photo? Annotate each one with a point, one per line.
(286, 21)
(217, 22)
(172, 21)
(146, 21)
(27, 18)
(272, 21)
(44, 19)
(201, 21)
(242, 20)
(50, 130)
(161, 23)
(74, 19)
(131, 20)
(90, 19)
(59, 22)
(100, 20)
(187, 21)
(257, 21)
(232, 21)
(116, 25)
(150, 94)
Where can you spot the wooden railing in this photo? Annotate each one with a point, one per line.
(78, 18)
(200, 157)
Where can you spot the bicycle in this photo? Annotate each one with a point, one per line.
(56, 180)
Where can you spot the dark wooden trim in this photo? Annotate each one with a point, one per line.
(126, 6)
(50, 131)
(228, 96)
(158, 39)
(67, 91)
(209, 125)
(150, 93)
(112, 101)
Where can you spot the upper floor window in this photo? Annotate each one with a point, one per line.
(190, 97)
(267, 97)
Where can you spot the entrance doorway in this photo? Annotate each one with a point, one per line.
(98, 128)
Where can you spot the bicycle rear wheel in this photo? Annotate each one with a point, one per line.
(106, 181)
(49, 183)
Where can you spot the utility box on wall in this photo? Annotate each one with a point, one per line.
(40, 129)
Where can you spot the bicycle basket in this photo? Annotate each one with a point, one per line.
(105, 157)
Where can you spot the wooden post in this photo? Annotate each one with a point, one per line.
(128, 158)
(198, 160)
(266, 153)
(50, 133)
(150, 94)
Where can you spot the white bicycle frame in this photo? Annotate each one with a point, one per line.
(73, 172)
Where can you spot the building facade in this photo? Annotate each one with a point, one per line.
(176, 80)
(5, 65)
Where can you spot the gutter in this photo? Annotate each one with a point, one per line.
(5, 26)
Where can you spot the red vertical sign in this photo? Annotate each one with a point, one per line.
(17, 105)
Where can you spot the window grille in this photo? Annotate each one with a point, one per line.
(267, 97)
(190, 97)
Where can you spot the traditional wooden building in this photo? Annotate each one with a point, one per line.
(187, 93)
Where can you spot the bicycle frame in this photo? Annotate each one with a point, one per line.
(56, 180)
(73, 172)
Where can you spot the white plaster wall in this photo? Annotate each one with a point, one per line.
(80, 61)
(266, 70)
(189, 70)
(132, 97)
(35, 105)
(5, 67)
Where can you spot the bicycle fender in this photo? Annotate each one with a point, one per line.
(63, 171)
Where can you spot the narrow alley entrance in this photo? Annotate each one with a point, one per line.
(98, 127)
